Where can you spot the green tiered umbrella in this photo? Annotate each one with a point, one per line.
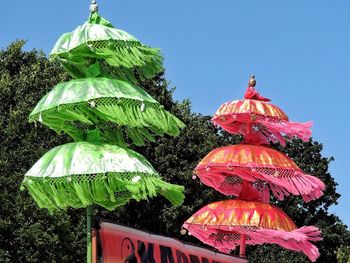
(98, 108)
(97, 48)
(81, 174)
(116, 108)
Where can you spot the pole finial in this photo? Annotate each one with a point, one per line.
(252, 81)
(93, 7)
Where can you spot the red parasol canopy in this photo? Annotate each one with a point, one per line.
(254, 113)
(250, 171)
(222, 224)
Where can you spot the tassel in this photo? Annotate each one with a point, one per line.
(294, 182)
(108, 191)
(226, 240)
(275, 128)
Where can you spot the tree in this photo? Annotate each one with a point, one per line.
(29, 234)
(343, 254)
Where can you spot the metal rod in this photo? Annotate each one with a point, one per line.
(242, 247)
(89, 215)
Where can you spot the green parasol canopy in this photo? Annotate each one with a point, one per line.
(96, 48)
(116, 108)
(81, 174)
(97, 108)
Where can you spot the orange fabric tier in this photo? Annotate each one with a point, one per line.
(221, 225)
(242, 213)
(255, 108)
(259, 121)
(251, 172)
(246, 155)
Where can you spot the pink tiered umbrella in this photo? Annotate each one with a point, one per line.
(255, 117)
(251, 171)
(226, 224)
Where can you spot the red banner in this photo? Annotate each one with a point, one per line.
(127, 245)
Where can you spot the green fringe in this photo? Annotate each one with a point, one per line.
(109, 191)
(139, 122)
(129, 55)
(124, 60)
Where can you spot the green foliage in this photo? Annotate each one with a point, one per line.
(343, 254)
(28, 234)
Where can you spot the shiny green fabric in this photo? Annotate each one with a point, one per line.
(98, 108)
(119, 110)
(93, 30)
(81, 174)
(87, 89)
(89, 158)
(109, 51)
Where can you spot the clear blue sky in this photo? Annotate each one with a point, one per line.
(298, 50)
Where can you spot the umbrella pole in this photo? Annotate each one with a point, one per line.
(242, 247)
(89, 215)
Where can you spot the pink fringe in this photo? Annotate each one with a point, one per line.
(226, 238)
(272, 128)
(290, 129)
(290, 182)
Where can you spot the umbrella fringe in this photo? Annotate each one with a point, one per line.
(121, 59)
(226, 239)
(290, 129)
(108, 191)
(127, 53)
(236, 123)
(141, 120)
(297, 183)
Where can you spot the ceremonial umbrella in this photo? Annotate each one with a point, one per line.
(116, 108)
(96, 108)
(233, 170)
(97, 48)
(254, 116)
(226, 224)
(81, 174)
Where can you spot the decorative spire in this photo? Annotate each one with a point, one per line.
(252, 81)
(251, 93)
(93, 7)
